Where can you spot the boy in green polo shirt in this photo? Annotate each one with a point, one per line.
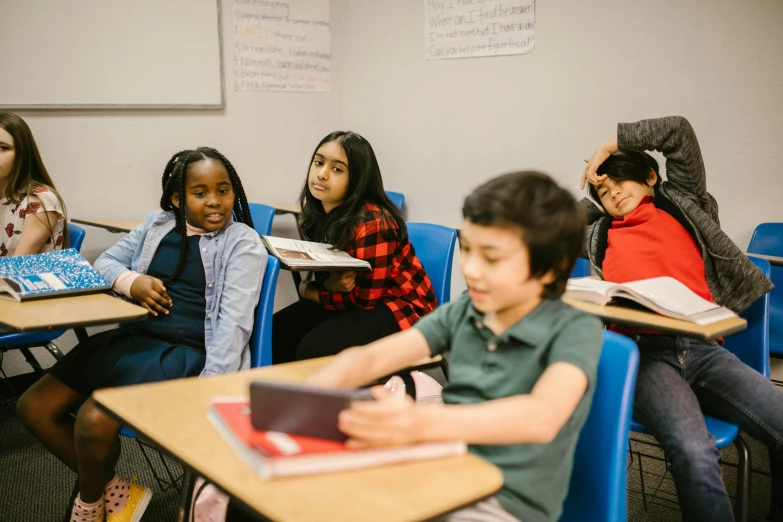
(523, 363)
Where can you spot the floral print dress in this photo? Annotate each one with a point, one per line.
(12, 217)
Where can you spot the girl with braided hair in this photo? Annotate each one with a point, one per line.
(197, 266)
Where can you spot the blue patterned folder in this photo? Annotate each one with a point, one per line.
(54, 274)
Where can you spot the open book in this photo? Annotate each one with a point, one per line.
(306, 255)
(275, 454)
(53, 274)
(664, 295)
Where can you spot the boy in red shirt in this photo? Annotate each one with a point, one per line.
(641, 227)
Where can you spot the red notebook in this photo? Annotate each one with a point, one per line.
(274, 454)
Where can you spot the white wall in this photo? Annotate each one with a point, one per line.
(110, 163)
(441, 127)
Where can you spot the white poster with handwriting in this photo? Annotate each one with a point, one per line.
(282, 45)
(467, 28)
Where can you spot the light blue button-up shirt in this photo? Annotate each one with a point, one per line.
(234, 261)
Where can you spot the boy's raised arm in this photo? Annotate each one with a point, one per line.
(363, 364)
(674, 137)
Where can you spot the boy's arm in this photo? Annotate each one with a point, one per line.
(674, 137)
(359, 365)
(535, 418)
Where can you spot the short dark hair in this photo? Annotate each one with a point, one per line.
(551, 222)
(627, 166)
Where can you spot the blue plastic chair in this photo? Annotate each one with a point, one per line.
(262, 216)
(434, 246)
(581, 268)
(25, 341)
(751, 346)
(597, 491)
(768, 240)
(397, 198)
(261, 338)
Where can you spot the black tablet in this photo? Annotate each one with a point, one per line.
(299, 409)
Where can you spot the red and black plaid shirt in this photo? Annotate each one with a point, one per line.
(397, 278)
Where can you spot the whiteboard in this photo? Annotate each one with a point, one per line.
(111, 54)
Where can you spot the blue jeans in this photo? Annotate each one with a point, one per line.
(680, 380)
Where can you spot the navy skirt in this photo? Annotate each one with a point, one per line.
(122, 357)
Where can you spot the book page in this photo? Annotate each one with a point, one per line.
(589, 284)
(293, 250)
(670, 294)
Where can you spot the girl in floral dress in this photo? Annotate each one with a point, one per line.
(32, 213)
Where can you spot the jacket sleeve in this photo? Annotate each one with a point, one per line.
(370, 245)
(242, 277)
(117, 259)
(674, 137)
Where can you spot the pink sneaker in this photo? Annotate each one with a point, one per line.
(428, 390)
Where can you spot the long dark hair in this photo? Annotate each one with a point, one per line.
(365, 185)
(28, 171)
(174, 183)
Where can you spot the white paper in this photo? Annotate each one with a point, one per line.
(282, 45)
(469, 28)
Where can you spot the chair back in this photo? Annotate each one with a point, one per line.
(752, 344)
(261, 338)
(262, 216)
(76, 236)
(768, 240)
(397, 198)
(434, 246)
(599, 478)
(581, 268)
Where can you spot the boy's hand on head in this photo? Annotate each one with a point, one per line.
(590, 174)
(389, 420)
(339, 282)
(150, 293)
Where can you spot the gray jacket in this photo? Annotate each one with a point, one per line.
(732, 279)
(234, 263)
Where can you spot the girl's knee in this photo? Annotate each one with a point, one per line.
(93, 425)
(30, 408)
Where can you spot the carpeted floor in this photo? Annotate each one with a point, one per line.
(36, 487)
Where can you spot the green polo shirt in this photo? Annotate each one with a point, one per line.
(485, 366)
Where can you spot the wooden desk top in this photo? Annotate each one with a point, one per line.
(652, 321)
(173, 415)
(112, 225)
(286, 208)
(61, 313)
(773, 260)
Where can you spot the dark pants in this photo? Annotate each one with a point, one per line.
(305, 330)
(680, 380)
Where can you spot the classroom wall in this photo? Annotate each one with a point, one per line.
(109, 163)
(441, 127)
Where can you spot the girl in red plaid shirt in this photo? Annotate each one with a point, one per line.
(344, 204)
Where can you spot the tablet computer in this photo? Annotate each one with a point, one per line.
(299, 409)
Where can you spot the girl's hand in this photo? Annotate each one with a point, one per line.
(389, 420)
(150, 293)
(339, 282)
(593, 162)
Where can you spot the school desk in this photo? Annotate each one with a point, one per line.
(287, 208)
(112, 225)
(773, 260)
(625, 316)
(173, 415)
(62, 313)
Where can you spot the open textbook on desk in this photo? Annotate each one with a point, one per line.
(53, 274)
(306, 255)
(664, 295)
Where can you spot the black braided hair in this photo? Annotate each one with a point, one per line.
(173, 182)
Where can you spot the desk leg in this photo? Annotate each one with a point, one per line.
(297, 279)
(185, 494)
(81, 334)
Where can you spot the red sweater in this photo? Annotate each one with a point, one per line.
(649, 242)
